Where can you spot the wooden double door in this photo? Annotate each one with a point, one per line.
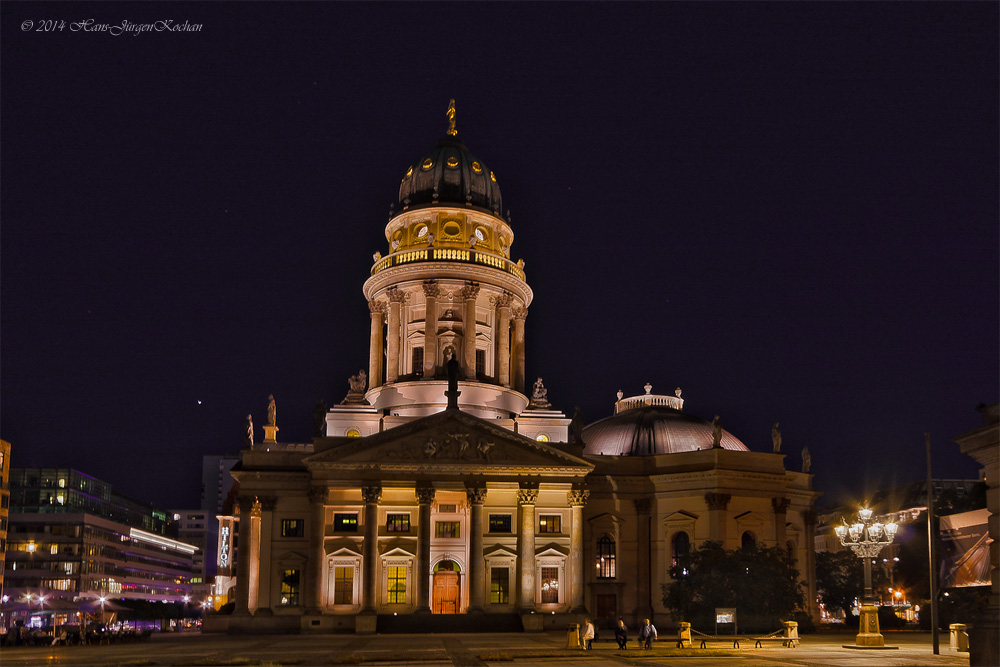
(447, 593)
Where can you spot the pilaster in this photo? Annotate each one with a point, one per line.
(644, 606)
(317, 530)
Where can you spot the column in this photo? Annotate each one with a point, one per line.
(470, 292)
(371, 495)
(780, 506)
(644, 545)
(502, 339)
(477, 567)
(267, 506)
(717, 504)
(421, 572)
(243, 530)
(254, 557)
(577, 499)
(393, 336)
(377, 309)
(526, 547)
(431, 293)
(314, 597)
(517, 349)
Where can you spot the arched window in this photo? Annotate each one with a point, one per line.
(680, 547)
(748, 541)
(790, 549)
(606, 557)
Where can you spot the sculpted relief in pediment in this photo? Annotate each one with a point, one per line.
(448, 444)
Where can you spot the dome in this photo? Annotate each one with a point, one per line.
(450, 174)
(652, 429)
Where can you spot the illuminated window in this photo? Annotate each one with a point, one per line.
(396, 591)
(550, 584)
(343, 585)
(447, 509)
(354, 433)
(549, 523)
(542, 437)
(499, 585)
(345, 523)
(290, 587)
(54, 549)
(499, 523)
(397, 523)
(446, 529)
(606, 557)
(293, 527)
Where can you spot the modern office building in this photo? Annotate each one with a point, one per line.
(70, 535)
(4, 505)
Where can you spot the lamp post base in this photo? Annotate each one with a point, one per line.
(869, 635)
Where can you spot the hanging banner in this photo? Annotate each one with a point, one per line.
(965, 549)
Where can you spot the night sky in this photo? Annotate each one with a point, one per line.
(789, 210)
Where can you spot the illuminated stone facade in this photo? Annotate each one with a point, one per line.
(410, 510)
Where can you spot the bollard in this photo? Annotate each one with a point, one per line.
(684, 635)
(959, 638)
(791, 636)
(573, 636)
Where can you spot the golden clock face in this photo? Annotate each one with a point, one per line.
(421, 231)
(479, 234)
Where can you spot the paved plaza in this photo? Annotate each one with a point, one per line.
(473, 650)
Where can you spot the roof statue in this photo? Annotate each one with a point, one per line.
(648, 387)
(451, 119)
(453, 393)
(776, 438)
(271, 411)
(807, 459)
(576, 426)
(716, 433)
(677, 392)
(248, 438)
(356, 396)
(319, 418)
(620, 394)
(539, 395)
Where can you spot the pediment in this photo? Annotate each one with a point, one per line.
(499, 551)
(552, 551)
(450, 441)
(343, 552)
(398, 553)
(681, 516)
(750, 518)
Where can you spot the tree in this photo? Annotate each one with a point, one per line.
(761, 583)
(840, 579)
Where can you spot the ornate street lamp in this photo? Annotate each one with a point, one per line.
(866, 537)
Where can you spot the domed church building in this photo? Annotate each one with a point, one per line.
(446, 493)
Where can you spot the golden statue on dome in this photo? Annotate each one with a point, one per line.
(451, 118)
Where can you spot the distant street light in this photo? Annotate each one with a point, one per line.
(866, 537)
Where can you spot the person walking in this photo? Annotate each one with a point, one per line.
(647, 633)
(621, 634)
(587, 635)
